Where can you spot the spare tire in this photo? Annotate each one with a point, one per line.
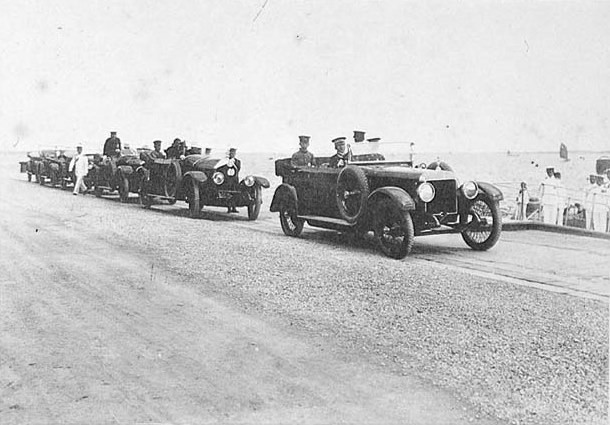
(172, 179)
(352, 192)
(439, 164)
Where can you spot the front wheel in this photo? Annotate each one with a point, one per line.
(255, 207)
(29, 176)
(484, 224)
(194, 200)
(124, 189)
(291, 225)
(393, 230)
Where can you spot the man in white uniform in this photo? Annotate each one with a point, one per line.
(548, 197)
(80, 165)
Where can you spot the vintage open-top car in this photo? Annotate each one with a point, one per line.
(30, 167)
(394, 199)
(50, 166)
(117, 174)
(200, 180)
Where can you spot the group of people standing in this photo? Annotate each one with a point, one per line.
(555, 205)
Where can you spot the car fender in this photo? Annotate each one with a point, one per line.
(198, 176)
(261, 181)
(491, 191)
(285, 194)
(125, 170)
(399, 197)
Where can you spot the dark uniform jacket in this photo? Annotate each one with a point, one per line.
(302, 159)
(338, 161)
(112, 147)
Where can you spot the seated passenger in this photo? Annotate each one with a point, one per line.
(302, 158)
(157, 153)
(341, 158)
(176, 150)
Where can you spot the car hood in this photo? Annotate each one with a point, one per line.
(421, 174)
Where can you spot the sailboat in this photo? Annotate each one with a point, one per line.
(563, 152)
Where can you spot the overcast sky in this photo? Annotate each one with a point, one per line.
(449, 76)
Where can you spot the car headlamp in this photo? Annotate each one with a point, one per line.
(426, 192)
(218, 178)
(470, 189)
(249, 181)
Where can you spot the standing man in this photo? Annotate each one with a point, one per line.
(548, 197)
(341, 157)
(80, 165)
(112, 146)
(208, 151)
(302, 158)
(412, 153)
(233, 167)
(157, 153)
(358, 136)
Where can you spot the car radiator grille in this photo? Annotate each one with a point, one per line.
(445, 199)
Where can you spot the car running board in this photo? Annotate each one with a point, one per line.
(327, 222)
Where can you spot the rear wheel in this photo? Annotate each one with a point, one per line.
(97, 191)
(291, 225)
(39, 176)
(484, 224)
(145, 200)
(393, 230)
(124, 189)
(29, 176)
(193, 199)
(255, 207)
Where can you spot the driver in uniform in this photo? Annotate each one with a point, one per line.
(341, 157)
(233, 167)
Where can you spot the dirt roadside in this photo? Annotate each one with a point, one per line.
(94, 332)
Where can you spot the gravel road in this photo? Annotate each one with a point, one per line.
(110, 313)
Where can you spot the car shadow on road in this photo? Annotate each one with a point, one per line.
(218, 215)
(367, 243)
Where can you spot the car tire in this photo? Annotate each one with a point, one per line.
(254, 208)
(439, 164)
(171, 179)
(29, 177)
(482, 239)
(291, 225)
(145, 199)
(97, 191)
(123, 189)
(351, 193)
(193, 199)
(393, 229)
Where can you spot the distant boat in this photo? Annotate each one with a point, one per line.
(563, 152)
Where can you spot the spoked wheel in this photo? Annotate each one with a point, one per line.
(194, 200)
(291, 225)
(352, 192)
(124, 189)
(393, 230)
(255, 207)
(172, 177)
(484, 224)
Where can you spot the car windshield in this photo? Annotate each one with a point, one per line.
(381, 151)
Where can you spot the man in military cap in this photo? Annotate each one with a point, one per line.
(157, 153)
(302, 158)
(341, 157)
(233, 167)
(208, 151)
(112, 146)
(80, 166)
(358, 136)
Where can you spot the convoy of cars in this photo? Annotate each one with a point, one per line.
(394, 199)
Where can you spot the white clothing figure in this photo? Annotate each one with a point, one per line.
(589, 201)
(548, 197)
(80, 165)
(523, 199)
